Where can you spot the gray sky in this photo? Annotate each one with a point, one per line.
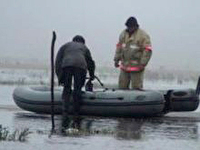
(174, 27)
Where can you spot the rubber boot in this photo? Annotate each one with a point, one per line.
(76, 104)
(76, 122)
(65, 114)
(65, 121)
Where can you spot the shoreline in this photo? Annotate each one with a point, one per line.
(34, 73)
(10, 107)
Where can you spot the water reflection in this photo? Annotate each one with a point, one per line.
(141, 128)
(129, 129)
(172, 128)
(178, 128)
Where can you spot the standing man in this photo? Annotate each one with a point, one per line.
(72, 61)
(133, 53)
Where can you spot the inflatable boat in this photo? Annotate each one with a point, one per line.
(120, 103)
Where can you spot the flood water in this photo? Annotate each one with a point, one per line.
(174, 131)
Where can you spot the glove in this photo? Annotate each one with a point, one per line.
(92, 77)
(142, 67)
(116, 64)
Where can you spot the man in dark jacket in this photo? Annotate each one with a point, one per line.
(72, 61)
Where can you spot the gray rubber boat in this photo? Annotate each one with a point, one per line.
(120, 103)
(101, 103)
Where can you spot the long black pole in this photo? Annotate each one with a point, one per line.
(52, 79)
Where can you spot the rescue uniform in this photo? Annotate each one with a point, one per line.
(133, 52)
(72, 61)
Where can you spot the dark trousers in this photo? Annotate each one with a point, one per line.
(79, 76)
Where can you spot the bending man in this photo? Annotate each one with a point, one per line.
(72, 61)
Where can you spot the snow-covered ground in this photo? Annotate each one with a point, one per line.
(24, 76)
(107, 77)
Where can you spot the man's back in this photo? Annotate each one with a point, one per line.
(74, 54)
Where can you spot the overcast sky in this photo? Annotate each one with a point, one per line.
(174, 27)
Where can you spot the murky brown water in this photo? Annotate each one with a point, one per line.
(175, 131)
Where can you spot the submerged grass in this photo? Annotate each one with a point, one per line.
(17, 135)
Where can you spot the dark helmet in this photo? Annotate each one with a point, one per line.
(132, 22)
(78, 38)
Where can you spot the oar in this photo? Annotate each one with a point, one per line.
(89, 83)
(102, 83)
(99, 81)
(52, 80)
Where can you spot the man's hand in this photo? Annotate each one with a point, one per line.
(92, 77)
(142, 67)
(116, 64)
